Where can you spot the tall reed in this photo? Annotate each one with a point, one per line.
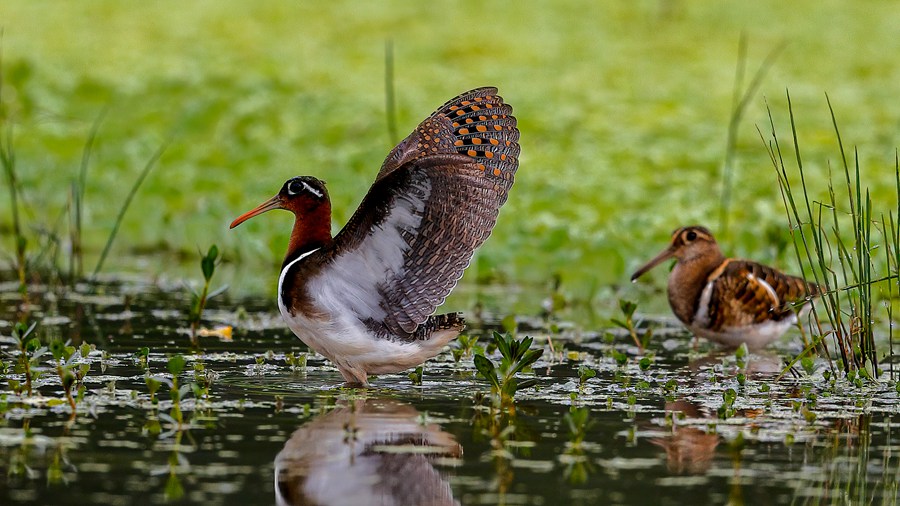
(840, 262)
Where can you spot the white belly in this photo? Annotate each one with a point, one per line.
(756, 336)
(342, 338)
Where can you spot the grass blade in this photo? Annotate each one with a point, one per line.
(134, 188)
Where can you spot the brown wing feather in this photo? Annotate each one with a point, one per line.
(476, 123)
(457, 206)
(456, 194)
(741, 298)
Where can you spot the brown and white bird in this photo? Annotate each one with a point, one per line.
(365, 298)
(725, 300)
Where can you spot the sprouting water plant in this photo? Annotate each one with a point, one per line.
(297, 361)
(66, 357)
(468, 346)
(584, 374)
(628, 308)
(578, 467)
(203, 380)
(176, 366)
(208, 265)
(27, 343)
(516, 357)
(416, 375)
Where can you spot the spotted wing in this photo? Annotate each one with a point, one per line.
(418, 227)
(476, 123)
(748, 293)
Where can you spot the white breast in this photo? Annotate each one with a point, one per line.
(341, 337)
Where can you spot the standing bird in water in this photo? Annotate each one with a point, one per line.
(364, 298)
(725, 300)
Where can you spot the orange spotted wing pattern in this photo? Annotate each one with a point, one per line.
(453, 174)
(748, 293)
(477, 124)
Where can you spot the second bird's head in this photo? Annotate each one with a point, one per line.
(300, 195)
(687, 243)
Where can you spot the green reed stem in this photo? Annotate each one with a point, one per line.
(390, 106)
(134, 188)
(76, 260)
(739, 102)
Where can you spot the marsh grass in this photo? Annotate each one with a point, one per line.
(390, 92)
(76, 210)
(151, 163)
(836, 248)
(740, 101)
(49, 248)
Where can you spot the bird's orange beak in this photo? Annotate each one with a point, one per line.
(658, 259)
(272, 203)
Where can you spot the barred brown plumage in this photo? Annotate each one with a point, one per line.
(364, 298)
(726, 300)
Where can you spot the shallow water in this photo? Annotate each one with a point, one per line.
(270, 434)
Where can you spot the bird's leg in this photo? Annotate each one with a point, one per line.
(354, 378)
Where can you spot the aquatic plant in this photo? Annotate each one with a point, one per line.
(76, 205)
(416, 375)
(467, 347)
(844, 268)
(739, 102)
(151, 162)
(515, 357)
(297, 361)
(642, 340)
(8, 161)
(175, 366)
(584, 374)
(30, 353)
(199, 300)
(66, 357)
(578, 467)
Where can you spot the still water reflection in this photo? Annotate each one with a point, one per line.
(366, 452)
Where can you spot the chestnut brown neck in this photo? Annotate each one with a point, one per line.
(312, 229)
(688, 279)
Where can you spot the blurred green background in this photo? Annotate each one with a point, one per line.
(623, 108)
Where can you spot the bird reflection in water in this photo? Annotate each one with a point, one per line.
(689, 448)
(365, 452)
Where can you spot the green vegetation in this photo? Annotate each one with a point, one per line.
(624, 134)
(642, 340)
(846, 265)
(515, 357)
(199, 300)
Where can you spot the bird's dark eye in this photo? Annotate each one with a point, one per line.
(691, 235)
(295, 187)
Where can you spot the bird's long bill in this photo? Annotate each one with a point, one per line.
(272, 203)
(658, 259)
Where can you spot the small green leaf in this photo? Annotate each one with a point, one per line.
(57, 348)
(645, 363)
(620, 323)
(486, 370)
(503, 345)
(176, 365)
(208, 267)
(627, 307)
